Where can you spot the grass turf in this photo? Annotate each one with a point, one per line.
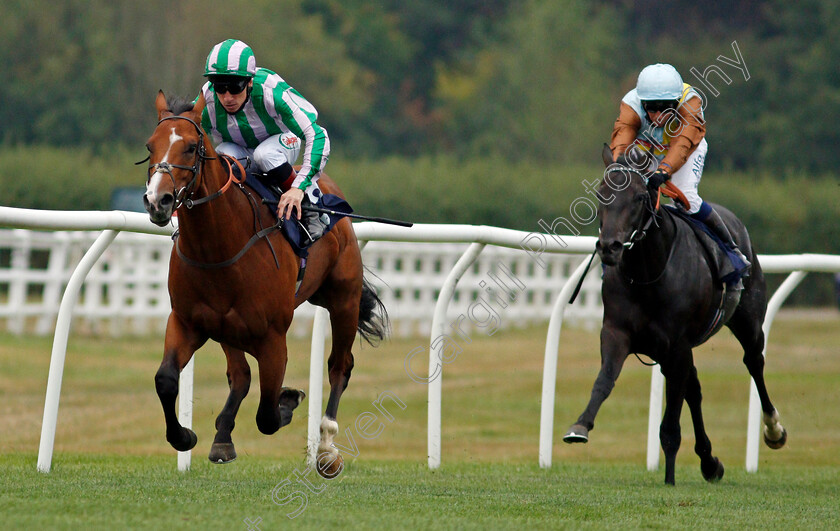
(113, 468)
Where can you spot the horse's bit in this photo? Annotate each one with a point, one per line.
(638, 234)
(182, 194)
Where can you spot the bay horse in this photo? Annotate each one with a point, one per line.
(232, 279)
(659, 299)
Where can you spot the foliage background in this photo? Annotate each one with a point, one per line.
(437, 109)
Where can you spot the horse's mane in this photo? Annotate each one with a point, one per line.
(177, 104)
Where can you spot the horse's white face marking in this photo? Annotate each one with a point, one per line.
(154, 181)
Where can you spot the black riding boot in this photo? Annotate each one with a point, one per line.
(714, 222)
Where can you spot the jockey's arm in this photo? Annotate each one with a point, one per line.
(625, 130)
(691, 133)
(315, 153)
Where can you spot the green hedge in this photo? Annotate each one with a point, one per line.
(785, 214)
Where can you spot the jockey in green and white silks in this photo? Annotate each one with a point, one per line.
(252, 113)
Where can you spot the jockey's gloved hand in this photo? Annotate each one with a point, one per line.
(657, 179)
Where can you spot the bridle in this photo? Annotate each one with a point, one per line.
(645, 223)
(183, 195)
(643, 227)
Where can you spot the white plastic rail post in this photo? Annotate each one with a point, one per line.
(552, 346)
(59, 350)
(435, 363)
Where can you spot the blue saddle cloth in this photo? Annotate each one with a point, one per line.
(730, 268)
(292, 228)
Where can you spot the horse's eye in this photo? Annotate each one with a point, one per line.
(148, 148)
(190, 149)
(640, 198)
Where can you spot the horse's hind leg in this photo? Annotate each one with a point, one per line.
(747, 329)
(344, 318)
(710, 466)
(179, 346)
(239, 381)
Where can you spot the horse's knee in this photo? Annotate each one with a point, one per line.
(166, 382)
(240, 379)
(268, 420)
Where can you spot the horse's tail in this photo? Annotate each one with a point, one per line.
(374, 323)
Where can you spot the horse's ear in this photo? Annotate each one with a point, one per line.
(607, 155)
(161, 106)
(198, 108)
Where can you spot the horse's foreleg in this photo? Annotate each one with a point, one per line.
(179, 346)
(676, 374)
(276, 402)
(710, 466)
(239, 381)
(615, 347)
(749, 333)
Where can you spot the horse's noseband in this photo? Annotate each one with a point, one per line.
(640, 232)
(182, 195)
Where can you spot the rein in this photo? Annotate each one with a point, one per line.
(183, 196)
(639, 233)
(258, 235)
(232, 179)
(230, 261)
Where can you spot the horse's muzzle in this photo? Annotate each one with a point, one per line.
(609, 252)
(160, 211)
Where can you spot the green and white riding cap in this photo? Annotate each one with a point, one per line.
(231, 58)
(659, 82)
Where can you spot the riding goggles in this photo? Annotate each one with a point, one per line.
(659, 105)
(233, 86)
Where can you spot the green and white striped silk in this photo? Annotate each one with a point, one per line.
(273, 108)
(231, 57)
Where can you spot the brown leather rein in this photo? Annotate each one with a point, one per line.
(183, 196)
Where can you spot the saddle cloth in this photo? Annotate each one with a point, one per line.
(292, 228)
(726, 265)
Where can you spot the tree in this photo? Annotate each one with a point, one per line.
(546, 90)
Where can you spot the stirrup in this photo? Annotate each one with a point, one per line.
(743, 258)
(314, 225)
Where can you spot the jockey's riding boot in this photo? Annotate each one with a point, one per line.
(715, 222)
(313, 222)
(279, 179)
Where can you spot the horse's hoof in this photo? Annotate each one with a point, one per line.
(715, 474)
(775, 445)
(291, 398)
(576, 434)
(222, 453)
(329, 465)
(285, 415)
(186, 442)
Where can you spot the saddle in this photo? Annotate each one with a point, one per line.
(725, 266)
(293, 229)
